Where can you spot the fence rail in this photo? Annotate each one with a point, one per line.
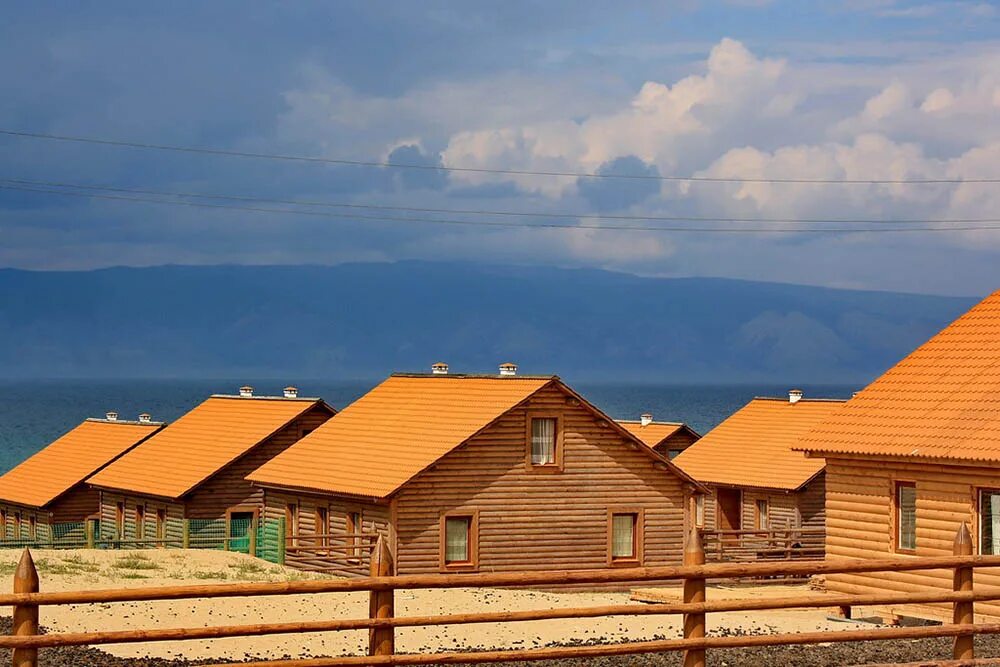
(771, 544)
(382, 621)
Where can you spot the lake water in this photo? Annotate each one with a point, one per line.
(35, 412)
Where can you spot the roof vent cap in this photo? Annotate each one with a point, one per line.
(439, 368)
(508, 369)
(794, 396)
(145, 418)
(246, 391)
(111, 416)
(645, 419)
(291, 392)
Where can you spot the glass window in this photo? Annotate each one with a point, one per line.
(699, 511)
(161, 525)
(761, 515)
(623, 536)
(543, 441)
(456, 539)
(140, 522)
(354, 527)
(989, 522)
(906, 516)
(120, 520)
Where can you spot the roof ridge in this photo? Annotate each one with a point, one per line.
(663, 423)
(784, 399)
(127, 422)
(473, 376)
(310, 399)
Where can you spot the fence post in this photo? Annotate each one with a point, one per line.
(694, 591)
(25, 615)
(381, 641)
(88, 530)
(964, 648)
(253, 536)
(281, 540)
(186, 534)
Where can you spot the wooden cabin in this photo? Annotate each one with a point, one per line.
(759, 485)
(665, 438)
(190, 477)
(468, 473)
(913, 456)
(44, 500)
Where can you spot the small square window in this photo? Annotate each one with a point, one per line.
(459, 549)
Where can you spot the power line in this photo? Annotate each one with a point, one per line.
(481, 212)
(495, 223)
(484, 170)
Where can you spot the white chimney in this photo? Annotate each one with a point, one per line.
(111, 416)
(291, 392)
(440, 368)
(646, 419)
(246, 391)
(145, 418)
(508, 369)
(794, 396)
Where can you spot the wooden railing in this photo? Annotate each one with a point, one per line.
(335, 553)
(382, 621)
(759, 545)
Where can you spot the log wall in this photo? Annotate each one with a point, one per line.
(860, 522)
(795, 509)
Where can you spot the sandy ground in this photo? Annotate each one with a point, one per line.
(84, 570)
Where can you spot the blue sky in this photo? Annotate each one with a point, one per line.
(868, 89)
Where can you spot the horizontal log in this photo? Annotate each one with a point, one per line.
(633, 648)
(511, 579)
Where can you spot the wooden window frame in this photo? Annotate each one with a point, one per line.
(898, 484)
(354, 547)
(17, 526)
(470, 565)
(32, 526)
(3, 524)
(321, 525)
(757, 515)
(120, 519)
(140, 521)
(977, 513)
(544, 468)
(292, 510)
(161, 527)
(699, 510)
(638, 537)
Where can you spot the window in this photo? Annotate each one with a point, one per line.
(760, 515)
(140, 522)
(989, 522)
(353, 528)
(544, 443)
(625, 537)
(322, 526)
(3, 524)
(699, 511)
(458, 541)
(906, 516)
(161, 526)
(32, 527)
(120, 520)
(292, 523)
(17, 526)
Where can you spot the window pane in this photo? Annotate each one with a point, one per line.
(456, 540)
(761, 514)
(989, 523)
(699, 511)
(907, 507)
(543, 441)
(623, 536)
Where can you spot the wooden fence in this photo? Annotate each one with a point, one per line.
(382, 621)
(758, 545)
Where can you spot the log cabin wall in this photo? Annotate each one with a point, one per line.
(529, 520)
(174, 516)
(675, 444)
(228, 488)
(16, 520)
(375, 520)
(861, 524)
(76, 505)
(796, 509)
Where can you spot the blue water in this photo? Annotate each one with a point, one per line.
(33, 413)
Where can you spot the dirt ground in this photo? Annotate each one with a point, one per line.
(76, 570)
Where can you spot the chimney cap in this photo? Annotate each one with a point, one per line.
(645, 419)
(508, 368)
(246, 391)
(111, 416)
(291, 392)
(145, 418)
(439, 368)
(795, 395)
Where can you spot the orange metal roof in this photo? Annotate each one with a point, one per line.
(373, 446)
(70, 459)
(653, 433)
(940, 402)
(753, 447)
(199, 444)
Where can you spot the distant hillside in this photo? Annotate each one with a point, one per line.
(364, 320)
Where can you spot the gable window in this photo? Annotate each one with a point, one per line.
(760, 515)
(544, 442)
(989, 522)
(459, 549)
(905, 498)
(625, 537)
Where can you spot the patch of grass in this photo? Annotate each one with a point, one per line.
(249, 569)
(135, 562)
(203, 574)
(7, 568)
(70, 565)
(132, 575)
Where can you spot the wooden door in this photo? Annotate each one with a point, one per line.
(730, 514)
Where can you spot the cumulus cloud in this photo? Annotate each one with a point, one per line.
(616, 195)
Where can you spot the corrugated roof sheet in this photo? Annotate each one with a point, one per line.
(653, 433)
(940, 402)
(70, 459)
(199, 444)
(753, 447)
(376, 444)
